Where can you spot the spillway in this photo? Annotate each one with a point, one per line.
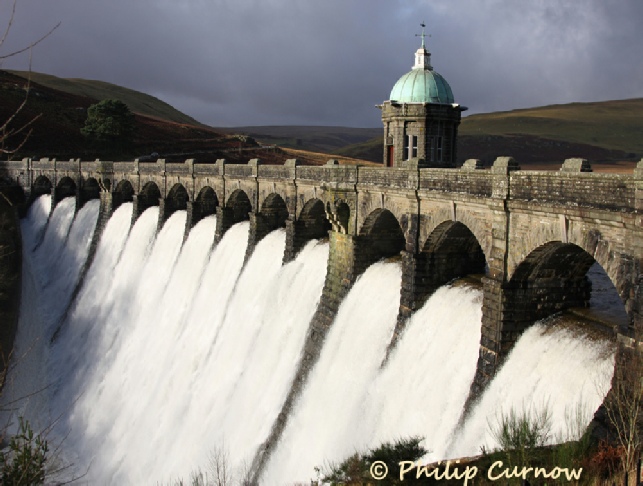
(171, 350)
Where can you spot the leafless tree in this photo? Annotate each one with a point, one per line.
(14, 134)
(624, 403)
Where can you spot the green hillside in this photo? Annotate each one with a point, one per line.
(602, 131)
(99, 90)
(612, 125)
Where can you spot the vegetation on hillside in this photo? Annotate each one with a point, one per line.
(602, 131)
(538, 137)
(100, 90)
(110, 123)
(611, 125)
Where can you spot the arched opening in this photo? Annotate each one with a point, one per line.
(380, 237)
(66, 188)
(559, 276)
(343, 212)
(240, 205)
(125, 191)
(207, 201)
(553, 277)
(149, 195)
(177, 199)
(42, 185)
(90, 190)
(452, 251)
(312, 222)
(274, 212)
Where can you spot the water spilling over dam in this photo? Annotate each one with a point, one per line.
(170, 350)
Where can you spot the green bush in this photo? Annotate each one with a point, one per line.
(23, 461)
(356, 469)
(517, 432)
(111, 123)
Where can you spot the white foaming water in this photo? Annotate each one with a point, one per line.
(168, 353)
(34, 224)
(51, 272)
(338, 386)
(226, 402)
(423, 389)
(549, 367)
(171, 351)
(86, 326)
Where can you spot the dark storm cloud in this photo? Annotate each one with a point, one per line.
(250, 62)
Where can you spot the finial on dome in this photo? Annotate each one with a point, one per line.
(422, 55)
(423, 35)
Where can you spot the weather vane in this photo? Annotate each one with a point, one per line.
(423, 35)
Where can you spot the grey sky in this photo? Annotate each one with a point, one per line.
(279, 62)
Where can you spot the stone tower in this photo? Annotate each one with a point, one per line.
(421, 118)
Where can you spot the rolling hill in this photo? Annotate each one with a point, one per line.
(59, 107)
(608, 132)
(610, 125)
(100, 90)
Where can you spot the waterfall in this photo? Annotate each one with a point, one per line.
(552, 367)
(174, 350)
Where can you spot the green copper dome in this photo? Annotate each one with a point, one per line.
(422, 86)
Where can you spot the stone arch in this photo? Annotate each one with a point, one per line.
(149, 195)
(623, 270)
(339, 217)
(274, 211)
(343, 212)
(239, 203)
(66, 187)
(312, 222)
(123, 192)
(90, 190)
(380, 236)
(42, 185)
(452, 251)
(207, 201)
(177, 199)
(552, 278)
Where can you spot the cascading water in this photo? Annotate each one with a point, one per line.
(171, 351)
(337, 388)
(552, 368)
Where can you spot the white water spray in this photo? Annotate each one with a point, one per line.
(50, 272)
(170, 351)
(337, 388)
(551, 367)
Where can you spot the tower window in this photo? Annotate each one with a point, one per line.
(410, 146)
(439, 149)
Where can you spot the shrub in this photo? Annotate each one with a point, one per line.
(518, 432)
(356, 469)
(23, 462)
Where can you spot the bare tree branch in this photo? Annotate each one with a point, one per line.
(8, 29)
(24, 131)
(9, 23)
(624, 403)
